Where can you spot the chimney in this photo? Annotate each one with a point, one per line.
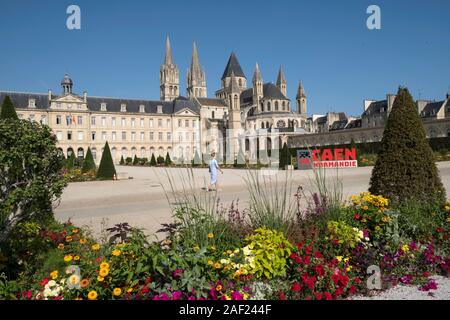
(85, 96)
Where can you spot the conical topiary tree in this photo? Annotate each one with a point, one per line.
(153, 161)
(197, 161)
(135, 160)
(240, 159)
(122, 161)
(8, 111)
(168, 161)
(71, 161)
(285, 157)
(106, 169)
(405, 168)
(88, 163)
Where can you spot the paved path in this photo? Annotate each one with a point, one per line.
(142, 201)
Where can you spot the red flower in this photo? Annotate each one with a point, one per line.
(440, 230)
(148, 280)
(335, 242)
(328, 295)
(357, 217)
(318, 255)
(319, 270)
(293, 255)
(299, 245)
(296, 287)
(318, 295)
(426, 274)
(343, 279)
(308, 250)
(338, 292)
(281, 296)
(298, 260)
(352, 289)
(307, 260)
(44, 282)
(145, 289)
(308, 298)
(311, 283)
(335, 278)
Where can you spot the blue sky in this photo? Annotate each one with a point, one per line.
(325, 44)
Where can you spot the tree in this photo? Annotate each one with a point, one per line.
(160, 160)
(106, 169)
(285, 157)
(88, 163)
(122, 161)
(71, 161)
(405, 168)
(197, 161)
(135, 160)
(240, 159)
(153, 161)
(30, 179)
(8, 111)
(168, 161)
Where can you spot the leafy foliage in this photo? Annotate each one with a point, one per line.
(106, 169)
(8, 111)
(88, 163)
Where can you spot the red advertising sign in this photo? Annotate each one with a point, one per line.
(327, 158)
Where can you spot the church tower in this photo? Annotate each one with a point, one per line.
(281, 82)
(301, 100)
(196, 82)
(66, 85)
(257, 88)
(169, 77)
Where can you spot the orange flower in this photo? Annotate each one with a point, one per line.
(84, 283)
(92, 295)
(69, 239)
(61, 246)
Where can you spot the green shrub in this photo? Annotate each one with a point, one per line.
(135, 160)
(88, 163)
(405, 168)
(153, 161)
(160, 160)
(8, 111)
(128, 161)
(267, 252)
(106, 169)
(122, 161)
(167, 161)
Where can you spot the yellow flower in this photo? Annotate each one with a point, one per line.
(104, 265)
(95, 247)
(377, 228)
(405, 248)
(448, 219)
(83, 241)
(213, 248)
(219, 287)
(74, 279)
(229, 252)
(339, 258)
(116, 253)
(365, 207)
(346, 260)
(386, 219)
(100, 279)
(54, 274)
(92, 295)
(217, 265)
(130, 290)
(117, 292)
(76, 258)
(210, 262)
(78, 298)
(74, 230)
(68, 258)
(104, 272)
(210, 235)
(69, 239)
(349, 268)
(447, 208)
(227, 297)
(61, 246)
(196, 248)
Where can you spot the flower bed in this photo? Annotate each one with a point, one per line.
(260, 264)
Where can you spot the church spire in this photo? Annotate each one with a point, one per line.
(196, 82)
(301, 100)
(257, 86)
(168, 56)
(281, 81)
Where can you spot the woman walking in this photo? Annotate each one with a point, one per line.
(213, 168)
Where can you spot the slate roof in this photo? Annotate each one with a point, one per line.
(431, 109)
(212, 102)
(339, 125)
(270, 91)
(354, 124)
(20, 100)
(233, 66)
(375, 107)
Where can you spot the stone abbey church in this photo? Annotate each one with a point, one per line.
(249, 116)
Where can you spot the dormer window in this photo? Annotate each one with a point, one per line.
(103, 107)
(123, 107)
(142, 108)
(158, 109)
(31, 103)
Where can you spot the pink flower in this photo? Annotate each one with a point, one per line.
(176, 295)
(177, 273)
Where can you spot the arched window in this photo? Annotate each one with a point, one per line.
(124, 152)
(161, 151)
(69, 152)
(142, 152)
(94, 153)
(283, 105)
(262, 125)
(133, 151)
(247, 145)
(268, 106)
(240, 82)
(262, 107)
(235, 101)
(267, 125)
(213, 115)
(80, 153)
(276, 105)
(196, 92)
(175, 90)
(171, 90)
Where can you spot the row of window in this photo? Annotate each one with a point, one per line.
(277, 106)
(186, 136)
(186, 123)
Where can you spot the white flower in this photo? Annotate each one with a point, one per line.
(366, 238)
(246, 250)
(224, 261)
(51, 283)
(361, 234)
